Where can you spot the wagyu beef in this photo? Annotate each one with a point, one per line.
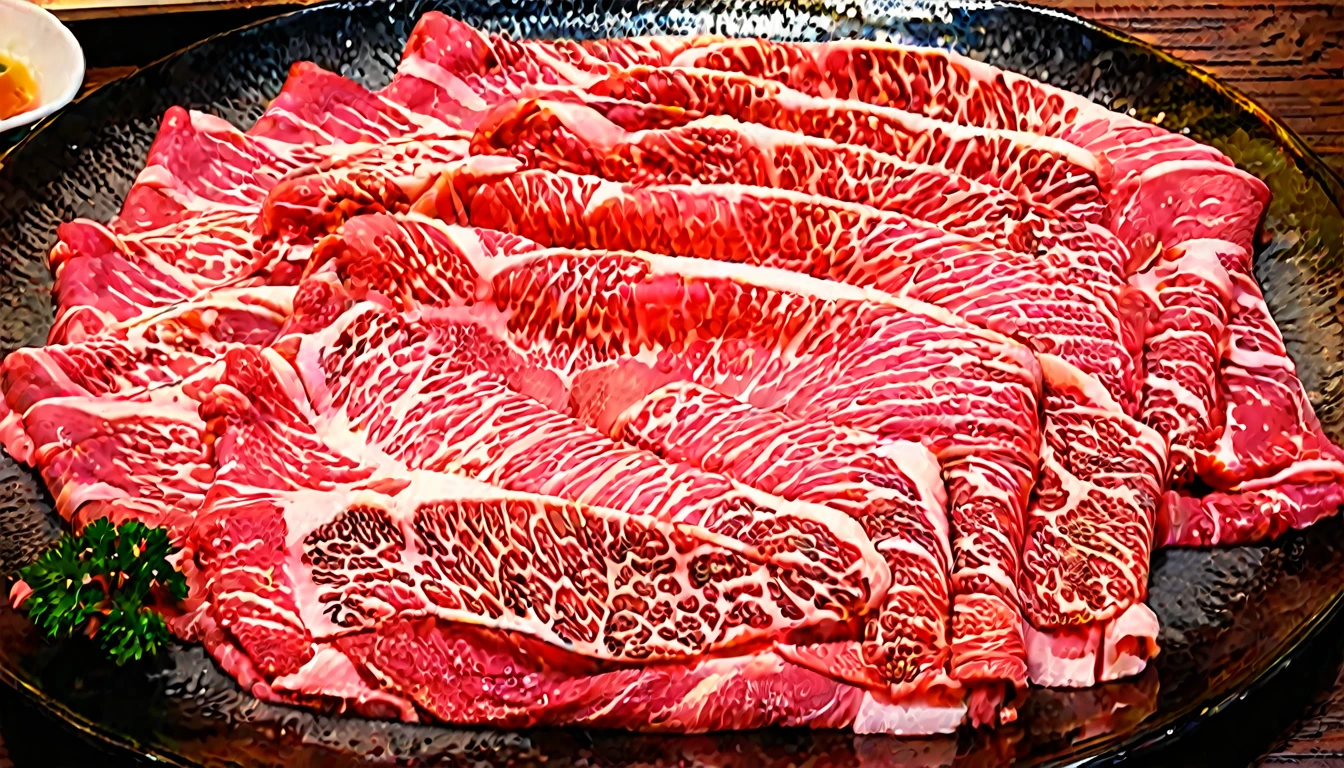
(780, 341)
(566, 136)
(1041, 169)
(893, 489)
(818, 236)
(1079, 292)
(672, 384)
(1186, 293)
(389, 546)
(1166, 190)
(445, 390)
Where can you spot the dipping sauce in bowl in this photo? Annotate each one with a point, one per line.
(18, 89)
(41, 64)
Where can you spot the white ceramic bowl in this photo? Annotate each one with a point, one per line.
(50, 52)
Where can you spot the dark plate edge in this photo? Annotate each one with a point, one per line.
(90, 730)
(1182, 725)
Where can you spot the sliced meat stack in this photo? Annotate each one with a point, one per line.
(672, 384)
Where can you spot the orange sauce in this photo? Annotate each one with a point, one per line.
(18, 90)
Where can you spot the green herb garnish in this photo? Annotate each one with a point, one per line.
(103, 583)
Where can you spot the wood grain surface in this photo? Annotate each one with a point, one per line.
(1289, 56)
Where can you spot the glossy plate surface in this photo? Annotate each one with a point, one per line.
(1230, 618)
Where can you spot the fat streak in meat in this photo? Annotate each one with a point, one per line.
(1167, 190)
(573, 137)
(259, 625)
(810, 347)
(1042, 169)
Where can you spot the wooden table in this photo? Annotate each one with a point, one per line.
(1289, 56)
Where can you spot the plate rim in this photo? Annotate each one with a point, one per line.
(1142, 744)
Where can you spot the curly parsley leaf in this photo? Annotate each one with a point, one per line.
(104, 583)
(130, 632)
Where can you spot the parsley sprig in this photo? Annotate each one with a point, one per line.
(103, 582)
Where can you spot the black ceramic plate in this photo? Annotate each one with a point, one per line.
(1230, 618)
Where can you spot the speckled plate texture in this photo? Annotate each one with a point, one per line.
(1230, 618)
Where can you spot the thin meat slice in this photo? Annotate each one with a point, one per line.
(1272, 467)
(573, 137)
(439, 76)
(357, 147)
(422, 394)
(1256, 512)
(328, 681)
(1161, 205)
(1067, 301)
(894, 490)
(444, 40)
(199, 162)
(410, 261)
(989, 471)
(442, 73)
(104, 279)
(1045, 172)
(1041, 169)
(218, 320)
(1089, 536)
(468, 675)
(188, 225)
(595, 581)
(935, 82)
(1270, 423)
(102, 367)
(129, 361)
(313, 201)
(316, 107)
(1167, 188)
(1187, 293)
(1156, 172)
(132, 458)
(244, 592)
(427, 84)
(319, 122)
(239, 579)
(605, 330)
(462, 674)
(541, 288)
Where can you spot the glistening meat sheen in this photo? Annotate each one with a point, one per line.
(672, 384)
